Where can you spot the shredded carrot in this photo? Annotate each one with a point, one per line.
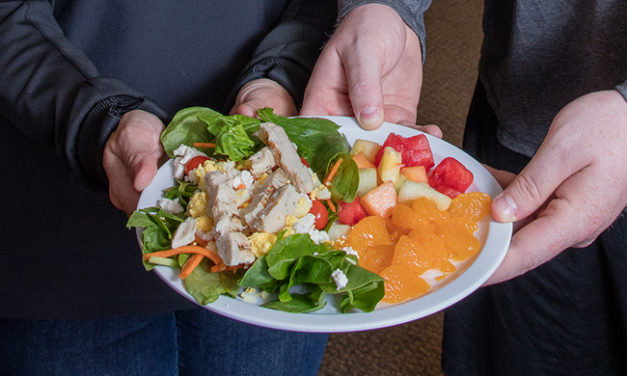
(204, 145)
(241, 186)
(208, 253)
(333, 171)
(331, 206)
(223, 268)
(190, 265)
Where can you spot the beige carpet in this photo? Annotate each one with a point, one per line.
(453, 43)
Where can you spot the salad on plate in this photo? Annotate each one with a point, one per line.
(283, 213)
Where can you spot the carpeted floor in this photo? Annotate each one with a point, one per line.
(453, 43)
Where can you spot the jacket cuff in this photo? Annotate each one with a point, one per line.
(98, 125)
(411, 11)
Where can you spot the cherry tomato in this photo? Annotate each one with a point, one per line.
(194, 162)
(320, 211)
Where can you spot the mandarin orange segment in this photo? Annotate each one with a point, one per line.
(434, 252)
(472, 206)
(376, 258)
(460, 242)
(369, 232)
(402, 283)
(428, 210)
(424, 230)
(409, 251)
(404, 216)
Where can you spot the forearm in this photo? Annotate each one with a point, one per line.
(411, 11)
(54, 94)
(288, 53)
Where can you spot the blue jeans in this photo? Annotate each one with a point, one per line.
(189, 342)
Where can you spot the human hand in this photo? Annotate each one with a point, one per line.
(261, 93)
(372, 73)
(131, 157)
(573, 188)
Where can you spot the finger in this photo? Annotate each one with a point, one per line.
(144, 171)
(572, 218)
(364, 75)
(532, 246)
(245, 109)
(504, 178)
(121, 192)
(326, 92)
(535, 184)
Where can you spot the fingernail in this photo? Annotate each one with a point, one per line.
(370, 117)
(507, 207)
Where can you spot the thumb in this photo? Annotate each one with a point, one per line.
(364, 76)
(144, 169)
(532, 187)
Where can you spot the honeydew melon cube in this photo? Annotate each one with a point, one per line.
(411, 190)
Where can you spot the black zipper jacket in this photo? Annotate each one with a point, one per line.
(68, 71)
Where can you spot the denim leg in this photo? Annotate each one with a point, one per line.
(210, 344)
(134, 345)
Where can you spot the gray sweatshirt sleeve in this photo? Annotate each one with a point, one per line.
(412, 12)
(622, 88)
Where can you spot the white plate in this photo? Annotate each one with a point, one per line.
(495, 237)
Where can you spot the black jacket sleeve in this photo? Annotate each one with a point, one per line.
(54, 94)
(288, 53)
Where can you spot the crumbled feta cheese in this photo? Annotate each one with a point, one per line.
(321, 192)
(340, 279)
(305, 224)
(318, 236)
(171, 206)
(351, 251)
(184, 154)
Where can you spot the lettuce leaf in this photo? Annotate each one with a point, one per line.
(159, 225)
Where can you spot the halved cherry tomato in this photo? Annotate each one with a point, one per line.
(194, 162)
(320, 211)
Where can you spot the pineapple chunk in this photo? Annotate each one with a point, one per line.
(390, 165)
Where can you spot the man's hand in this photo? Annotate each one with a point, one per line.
(261, 93)
(131, 157)
(372, 73)
(573, 188)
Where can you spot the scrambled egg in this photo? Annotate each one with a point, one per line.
(261, 242)
(302, 207)
(200, 171)
(198, 204)
(205, 223)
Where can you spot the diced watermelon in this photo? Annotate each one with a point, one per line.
(451, 173)
(349, 213)
(417, 152)
(414, 150)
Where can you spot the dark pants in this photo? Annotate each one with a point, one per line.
(188, 342)
(566, 317)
